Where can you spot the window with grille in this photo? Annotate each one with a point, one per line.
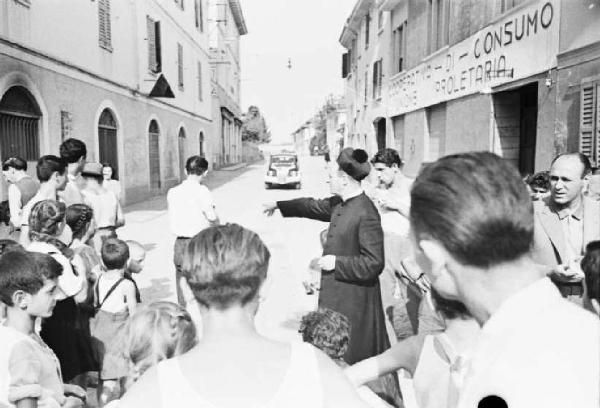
(199, 15)
(104, 30)
(377, 79)
(199, 80)
(19, 125)
(589, 125)
(154, 50)
(180, 65)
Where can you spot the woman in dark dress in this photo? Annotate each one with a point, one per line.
(66, 332)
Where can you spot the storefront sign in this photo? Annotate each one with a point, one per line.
(521, 44)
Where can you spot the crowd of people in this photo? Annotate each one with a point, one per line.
(466, 287)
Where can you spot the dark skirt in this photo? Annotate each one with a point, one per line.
(67, 333)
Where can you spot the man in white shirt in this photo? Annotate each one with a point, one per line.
(191, 209)
(21, 187)
(472, 221)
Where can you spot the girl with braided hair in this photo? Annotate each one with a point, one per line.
(66, 332)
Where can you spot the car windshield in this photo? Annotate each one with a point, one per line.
(283, 160)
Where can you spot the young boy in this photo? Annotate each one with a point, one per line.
(114, 300)
(29, 371)
(137, 255)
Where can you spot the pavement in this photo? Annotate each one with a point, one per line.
(239, 195)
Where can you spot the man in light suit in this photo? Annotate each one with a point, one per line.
(565, 222)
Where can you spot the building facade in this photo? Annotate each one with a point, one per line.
(435, 77)
(120, 75)
(226, 25)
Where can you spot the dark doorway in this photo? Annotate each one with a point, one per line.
(107, 140)
(154, 155)
(19, 123)
(182, 158)
(381, 136)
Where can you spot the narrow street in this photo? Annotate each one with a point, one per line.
(292, 242)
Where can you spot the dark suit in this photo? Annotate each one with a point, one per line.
(355, 238)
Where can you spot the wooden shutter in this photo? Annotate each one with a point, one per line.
(104, 30)
(180, 65)
(344, 65)
(199, 16)
(158, 49)
(588, 119)
(151, 35)
(597, 138)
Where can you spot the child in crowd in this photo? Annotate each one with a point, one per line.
(435, 361)
(329, 331)
(137, 255)
(30, 373)
(538, 185)
(7, 245)
(590, 264)
(115, 301)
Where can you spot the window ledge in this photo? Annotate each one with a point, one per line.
(25, 3)
(106, 47)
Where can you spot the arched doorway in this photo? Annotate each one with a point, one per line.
(381, 136)
(182, 158)
(19, 124)
(154, 154)
(107, 140)
(201, 144)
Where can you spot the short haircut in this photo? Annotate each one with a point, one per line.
(48, 165)
(476, 205)
(590, 264)
(196, 165)
(449, 309)
(78, 217)
(327, 330)
(115, 253)
(583, 159)
(15, 162)
(225, 265)
(388, 157)
(539, 180)
(71, 150)
(26, 271)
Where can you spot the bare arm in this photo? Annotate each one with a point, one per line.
(27, 403)
(130, 298)
(120, 216)
(80, 270)
(14, 204)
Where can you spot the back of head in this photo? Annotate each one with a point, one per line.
(475, 205)
(46, 217)
(72, 150)
(225, 266)
(328, 331)
(540, 181)
(48, 165)
(115, 253)
(196, 165)
(78, 217)
(590, 264)
(25, 271)
(14, 162)
(158, 331)
(389, 157)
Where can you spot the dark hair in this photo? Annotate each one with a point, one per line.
(449, 309)
(388, 157)
(26, 271)
(327, 330)
(583, 159)
(78, 217)
(48, 165)
(15, 162)
(114, 175)
(5, 213)
(7, 245)
(196, 165)
(115, 253)
(225, 265)
(45, 217)
(476, 205)
(590, 264)
(540, 180)
(71, 150)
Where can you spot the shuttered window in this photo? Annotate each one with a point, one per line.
(154, 51)
(199, 80)
(104, 30)
(377, 79)
(589, 126)
(180, 65)
(199, 15)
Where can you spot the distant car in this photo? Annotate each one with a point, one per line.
(283, 170)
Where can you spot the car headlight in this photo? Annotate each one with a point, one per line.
(293, 173)
(271, 173)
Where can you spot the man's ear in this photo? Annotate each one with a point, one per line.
(20, 299)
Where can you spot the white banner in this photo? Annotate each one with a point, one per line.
(521, 44)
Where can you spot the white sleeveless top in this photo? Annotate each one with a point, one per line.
(301, 387)
(438, 377)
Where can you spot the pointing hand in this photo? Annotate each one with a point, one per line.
(269, 208)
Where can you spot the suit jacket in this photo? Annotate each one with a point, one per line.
(550, 245)
(355, 237)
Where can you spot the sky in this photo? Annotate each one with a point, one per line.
(305, 32)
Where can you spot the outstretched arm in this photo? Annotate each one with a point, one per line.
(305, 208)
